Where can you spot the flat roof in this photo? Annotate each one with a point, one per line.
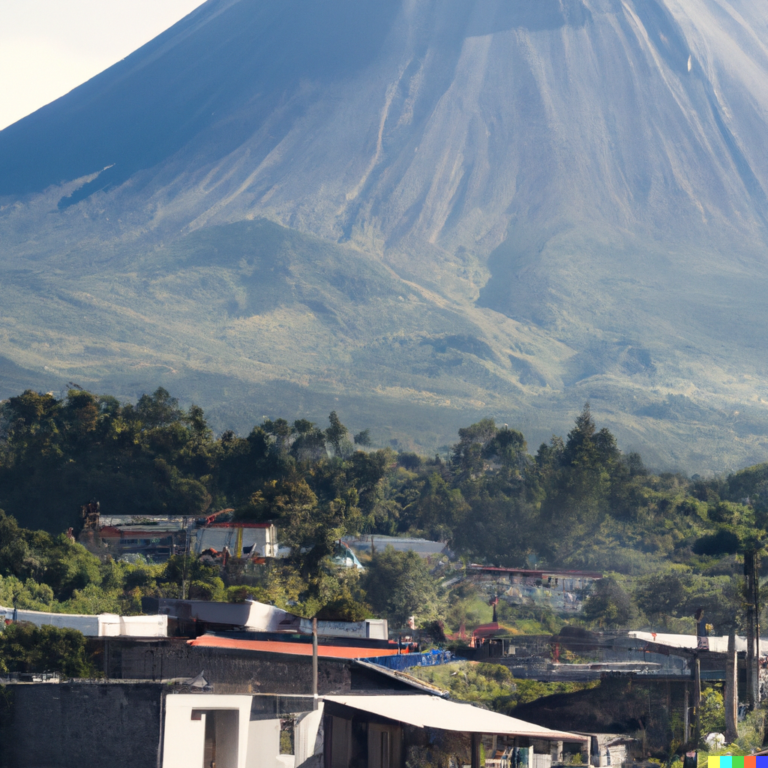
(691, 642)
(127, 531)
(291, 649)
(420, 546)
(539, 572)
(240, 525)
(424, 711)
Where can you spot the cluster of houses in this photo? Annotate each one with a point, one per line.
(215, 537)
(562, 591)
(248, 685)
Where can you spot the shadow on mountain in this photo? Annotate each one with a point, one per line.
(514, 289)
(276, 266)
(492, 16)
(470, 345)
(677, 408)
(249, 58)
(665, 34)
(527, 373)
(14, 379)
(601, 357)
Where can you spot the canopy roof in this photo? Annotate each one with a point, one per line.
(424, 711)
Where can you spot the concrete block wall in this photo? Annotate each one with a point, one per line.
(231, 671)
(72, 725)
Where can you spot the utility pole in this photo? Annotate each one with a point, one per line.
(697, 700)
(752, 576)
(731, 691)
(314, 663)
(187, 529)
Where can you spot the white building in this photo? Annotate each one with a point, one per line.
(225, 731)
(103, 625)
(241, 539)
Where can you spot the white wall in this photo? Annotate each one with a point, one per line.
(184, 738)
(263, 744)
(103, 625)
(88, 625)
(133, 626)
(308, 735)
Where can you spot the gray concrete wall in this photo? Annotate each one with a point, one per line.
(74, 725)
(233, 671)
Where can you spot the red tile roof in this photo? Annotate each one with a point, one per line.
(489, 630)
(292, 649)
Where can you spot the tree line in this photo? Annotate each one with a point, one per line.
(577, 502)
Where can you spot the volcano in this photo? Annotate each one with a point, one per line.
(416, 212)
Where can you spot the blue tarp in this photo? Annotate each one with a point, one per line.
(406, 660)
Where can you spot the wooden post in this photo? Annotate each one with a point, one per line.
(731, 691)
(475, 762)
(314, 663)
(686, 715)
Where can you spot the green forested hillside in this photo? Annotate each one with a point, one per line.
(671, 543)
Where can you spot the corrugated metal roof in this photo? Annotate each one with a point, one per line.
(291, 649)
(423, 547)
(691, 642)
(403, 677)
(137, 532)
(435, 712)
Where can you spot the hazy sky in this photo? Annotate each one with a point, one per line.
(48, 47)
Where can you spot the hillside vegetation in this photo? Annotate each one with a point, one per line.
(670, 543)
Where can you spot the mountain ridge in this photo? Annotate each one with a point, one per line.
(573, 188)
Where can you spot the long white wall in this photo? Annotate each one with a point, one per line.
(103, 625)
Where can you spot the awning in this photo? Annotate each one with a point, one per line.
(434, 712)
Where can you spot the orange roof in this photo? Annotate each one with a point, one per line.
(293, 649)
(489, 630)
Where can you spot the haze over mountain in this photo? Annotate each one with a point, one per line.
(419, 212)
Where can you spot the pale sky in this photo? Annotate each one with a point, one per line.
(48, 47)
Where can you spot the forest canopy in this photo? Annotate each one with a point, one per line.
(672, 543)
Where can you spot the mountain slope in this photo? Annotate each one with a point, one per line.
(521, 205)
